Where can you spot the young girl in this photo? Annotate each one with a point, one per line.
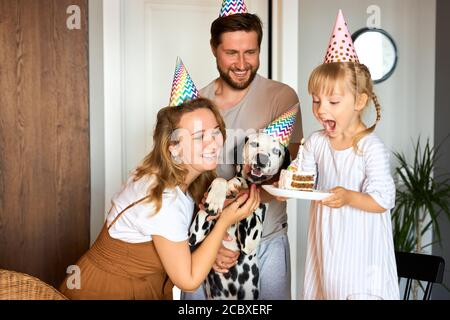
(350, 244)
(143, 249)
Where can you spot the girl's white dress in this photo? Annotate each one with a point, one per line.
(350, 251)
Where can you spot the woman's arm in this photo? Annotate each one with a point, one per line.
(188, 270)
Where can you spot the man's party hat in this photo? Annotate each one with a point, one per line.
(230, 7)
(183, 88)
(341, 48)
(282, 128)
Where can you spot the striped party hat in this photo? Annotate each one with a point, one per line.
(183, 88)
(230, 7)
(281, 129)
(341, 48)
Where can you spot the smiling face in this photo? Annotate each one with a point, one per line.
(238, 58)
(199, 141)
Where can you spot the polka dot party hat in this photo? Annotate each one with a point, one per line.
(341, 47)
(230, 7)
(183, 88)
(282, 127)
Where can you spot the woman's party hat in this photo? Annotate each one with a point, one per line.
(281, 128)
(341, 48)
(183, 88)
(230, 7)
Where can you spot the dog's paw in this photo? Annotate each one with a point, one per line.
(233, 189)
(216, 196)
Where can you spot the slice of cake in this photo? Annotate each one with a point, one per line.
(297, 180)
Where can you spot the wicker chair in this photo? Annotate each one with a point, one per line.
(20, 286)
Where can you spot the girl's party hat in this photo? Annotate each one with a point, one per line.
(341, 47)
(183, 88)
(281, 129)
(230, 7)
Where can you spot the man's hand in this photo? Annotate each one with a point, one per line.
(226, 258)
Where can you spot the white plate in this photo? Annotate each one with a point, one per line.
(306, 195)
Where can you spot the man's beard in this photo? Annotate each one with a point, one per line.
(237, 85)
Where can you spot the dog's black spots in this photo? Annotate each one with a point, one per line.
(255, 235)
(255, 294)
(214, 289)
(255, 273)
(227, 275)
(206, 205)
(245, 275)
(234, 273)
(241, 258)
(263, 208)
(254, 144)
(250, 257)
(226, 293)
(232, 288)
(242, 232)
(246, 140)
(192, 239)
(205, 225)
(218, 282)
(252, 225)
(210, 212)
(241, 293)
(196, 223)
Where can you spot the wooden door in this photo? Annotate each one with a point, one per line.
(44, 136)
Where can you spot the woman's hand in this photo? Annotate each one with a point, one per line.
(341, 197)
(242, 207)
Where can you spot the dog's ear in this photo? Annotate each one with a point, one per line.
(287, 158)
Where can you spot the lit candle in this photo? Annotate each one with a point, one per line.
(298, 160)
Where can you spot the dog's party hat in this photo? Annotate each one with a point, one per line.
(183, 88)
(282, 127)
(230, 7)
(341, 48)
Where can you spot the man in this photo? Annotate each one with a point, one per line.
(249, 102)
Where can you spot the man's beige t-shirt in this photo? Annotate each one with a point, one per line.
(264, 102)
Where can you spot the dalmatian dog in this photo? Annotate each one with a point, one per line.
(262, 158)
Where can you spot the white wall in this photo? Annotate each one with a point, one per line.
(407, 98)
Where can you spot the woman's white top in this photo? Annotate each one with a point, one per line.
(140, 222)
(350, 251)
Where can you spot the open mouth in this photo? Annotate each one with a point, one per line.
(256, 172)
(329, 125)
(240, 74)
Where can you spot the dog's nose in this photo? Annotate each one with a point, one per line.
(262, 160)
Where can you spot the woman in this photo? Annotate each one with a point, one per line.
(143, 249)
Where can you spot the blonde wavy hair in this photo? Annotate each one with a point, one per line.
(358, 80)
(159, 165)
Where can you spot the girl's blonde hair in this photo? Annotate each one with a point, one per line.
(355, 76)
(160, 166)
